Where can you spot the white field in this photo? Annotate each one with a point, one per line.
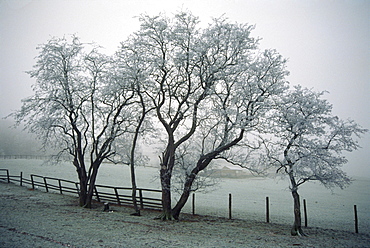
(326, 209)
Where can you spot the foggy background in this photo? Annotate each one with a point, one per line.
(327, 44)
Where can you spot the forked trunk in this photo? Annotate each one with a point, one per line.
(90, 192)
(83, 183)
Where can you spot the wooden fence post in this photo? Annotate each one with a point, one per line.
(32, 182)
(230, 206)
(46, 184)
(20, 179)
(141, 198)
(60, 187)
(305, 212)
(7, 175)
(356, 219)
(193, 204)
(267, 210)
(78, 189)
(96, 194)
(117, 196)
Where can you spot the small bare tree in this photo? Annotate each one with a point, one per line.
(308, 143)
(130, 68)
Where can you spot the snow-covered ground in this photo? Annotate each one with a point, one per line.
(326, 209)
(33, 218)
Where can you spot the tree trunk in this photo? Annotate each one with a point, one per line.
(81, 172)
(132, 160)
(187, 189)
(184, 196)
(167, 164)
(202, 163)
(83, 192)
(297, 226)
(166, 194)
(134, 190)
(90, 192)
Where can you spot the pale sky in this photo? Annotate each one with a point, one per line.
(327, 43)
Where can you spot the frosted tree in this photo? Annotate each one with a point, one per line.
(239, 100)
(309, 142)
(130, 68)
(210, 78)
(75, 108)
(174, 90)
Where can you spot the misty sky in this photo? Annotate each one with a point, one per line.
(327, 43)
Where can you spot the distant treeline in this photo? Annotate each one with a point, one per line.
(41, 157)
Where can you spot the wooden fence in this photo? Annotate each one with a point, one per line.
(147, 198)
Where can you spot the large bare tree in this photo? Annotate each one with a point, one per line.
(213, 79)
(175, 88)
(239, 101)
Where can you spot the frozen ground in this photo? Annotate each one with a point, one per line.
(326, 209)
(32, 218)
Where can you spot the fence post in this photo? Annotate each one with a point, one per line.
(267, 210)
(230, 206)
(78, 190)
(96, 194)
(60, 187)
(46, 185)
(356, 220)
(20, 179)
(117, 196)
(7, 175)
(305, 212)
(141, 198)
(193, 204)
(32, 182)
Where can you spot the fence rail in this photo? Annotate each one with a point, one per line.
(146, 198)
